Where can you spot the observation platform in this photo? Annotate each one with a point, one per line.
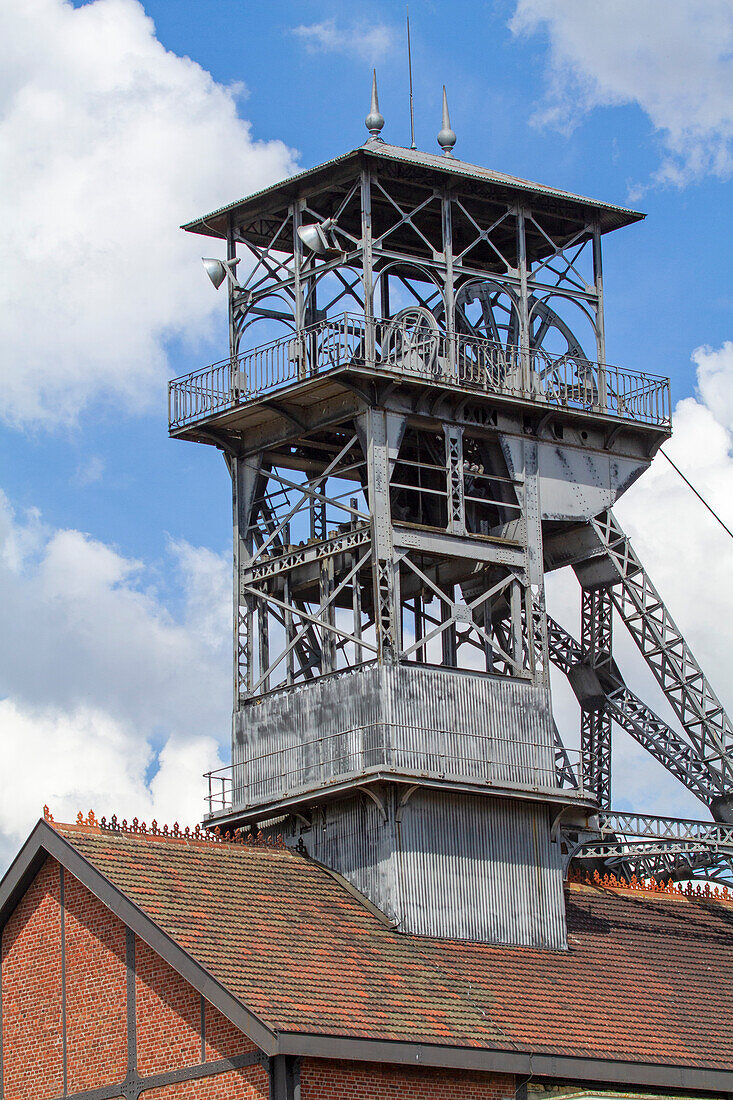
(413, 725)
(359, 758)
(326, 361)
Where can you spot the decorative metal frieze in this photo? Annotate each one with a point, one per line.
(303, 555)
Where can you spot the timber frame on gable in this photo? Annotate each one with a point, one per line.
(282, 1051)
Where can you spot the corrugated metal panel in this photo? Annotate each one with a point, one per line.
(354, 839)
(480, 868)
(436, 722)
(453, 866)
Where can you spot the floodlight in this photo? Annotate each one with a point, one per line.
(218, 270)
(316, 237)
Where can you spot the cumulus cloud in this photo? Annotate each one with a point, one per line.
(368, 41)
(108, 698)
(108, 142)
(715, 381)
(672, 58)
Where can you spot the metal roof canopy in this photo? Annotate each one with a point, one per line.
(416, 169)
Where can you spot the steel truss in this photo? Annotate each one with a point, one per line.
(499, 271)
(595, 729)
(658, 847)
(699, 755)
(372, 553)
(382, 538)
(668, 655)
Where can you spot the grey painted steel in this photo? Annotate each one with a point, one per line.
(460, 867)
(64, 1043)
(499, 1061)
(131, 978)
(575, 483)
(646, 727)
(454, 360)
(480, 426)
(618, 215)
(284, 1077)
(668, 655)
(650, 846)
(410, 719)
(708, 835)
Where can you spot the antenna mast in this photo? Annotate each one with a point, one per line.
(409, 67)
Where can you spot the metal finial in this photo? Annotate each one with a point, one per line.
(446, 137)
(374, 121)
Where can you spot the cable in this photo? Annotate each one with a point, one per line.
(698, 495)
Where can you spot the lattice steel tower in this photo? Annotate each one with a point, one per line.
(419, 424)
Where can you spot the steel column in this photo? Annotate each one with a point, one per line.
(595, 721)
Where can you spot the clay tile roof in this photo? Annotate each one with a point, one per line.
(648, 977)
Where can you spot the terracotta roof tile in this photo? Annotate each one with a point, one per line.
(648, 976)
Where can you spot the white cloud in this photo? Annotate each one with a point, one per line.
(108, 142)
(673, 58)
(369, 41)
(86, 759)
(715, 381)
(96, 671)
(90, 471)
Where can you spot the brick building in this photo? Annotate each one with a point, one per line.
(177, 967)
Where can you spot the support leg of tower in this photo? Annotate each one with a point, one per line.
(595, 740)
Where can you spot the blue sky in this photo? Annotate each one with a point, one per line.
(116, 537)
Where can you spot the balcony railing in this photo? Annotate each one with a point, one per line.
(406, 349)
(468, 758)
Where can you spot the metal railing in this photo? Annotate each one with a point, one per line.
(470, 758)
(420, 350)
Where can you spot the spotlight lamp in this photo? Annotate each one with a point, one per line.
(318, 237)
(219, 270)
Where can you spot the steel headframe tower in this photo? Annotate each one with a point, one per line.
(419, 424)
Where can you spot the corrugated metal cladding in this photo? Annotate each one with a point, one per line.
(453, 866)
(440, 723)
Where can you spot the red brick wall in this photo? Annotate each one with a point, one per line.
(168, 1010)
(323, 1079)
(168, 1018)
(251, 1083)
(31, 992)
(96, 982)
(168, 1015)
(223, 1040)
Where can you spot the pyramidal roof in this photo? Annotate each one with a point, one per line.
(441, 167)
